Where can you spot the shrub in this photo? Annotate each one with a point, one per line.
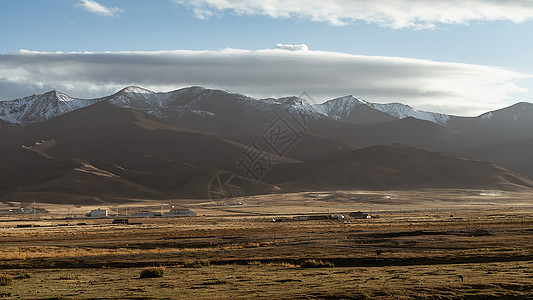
(5, 279)
(312, 263)
(214, 282)
(23, 275)
(261, 244)
(153, 272)
(272, 264)
(196, 264)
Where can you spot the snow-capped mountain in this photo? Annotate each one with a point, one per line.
(241, 119)
(339, 108)
(295, 102)
(402, 111)
(37, 108)
(344, 109)
(508, 124)
(138, 98)
(200, 104)
(519, 112)
(193, 102)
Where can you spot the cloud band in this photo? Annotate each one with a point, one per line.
(287, 70)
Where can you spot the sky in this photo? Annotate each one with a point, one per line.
(451, 56)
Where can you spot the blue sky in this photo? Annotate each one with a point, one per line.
(447, 57)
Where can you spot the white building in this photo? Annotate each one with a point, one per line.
(181, 212)
(98, 213)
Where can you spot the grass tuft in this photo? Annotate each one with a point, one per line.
(196, 264)
(272, 264)
(313, 263)
(6, 279)
(23, 275)
(153, 272)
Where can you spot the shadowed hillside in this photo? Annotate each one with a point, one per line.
(401, 167)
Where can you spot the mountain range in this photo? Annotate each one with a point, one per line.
(193, 100)
(139, 144)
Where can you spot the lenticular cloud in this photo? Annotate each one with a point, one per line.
(285, 70)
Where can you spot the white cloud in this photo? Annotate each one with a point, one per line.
(301, 47)
(94, 7)
(391, 13)
(462, 89)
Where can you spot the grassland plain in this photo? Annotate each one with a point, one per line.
(475, 251)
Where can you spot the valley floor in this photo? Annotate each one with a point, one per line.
(477, 251)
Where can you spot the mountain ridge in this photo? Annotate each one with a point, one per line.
(107, 152)
(321, 131)
(38, 108)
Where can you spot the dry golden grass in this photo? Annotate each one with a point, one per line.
(414, 253)
(504, 280)
(32, 252)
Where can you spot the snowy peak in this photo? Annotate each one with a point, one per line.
(296, 103)
(137, 98)
(37, 108)
(339, 108)
(345, 102)
(135, 90)
(402, 111)
(351, 109)
(519, 112)
(57, 96)
(486, 116)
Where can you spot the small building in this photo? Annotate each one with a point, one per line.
(98, 213)
(360, 215)
(336, 217)
(181, 212)
(310, 217)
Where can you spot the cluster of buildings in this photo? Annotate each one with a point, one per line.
(184, 212)
(174, 212)
(355, 215)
